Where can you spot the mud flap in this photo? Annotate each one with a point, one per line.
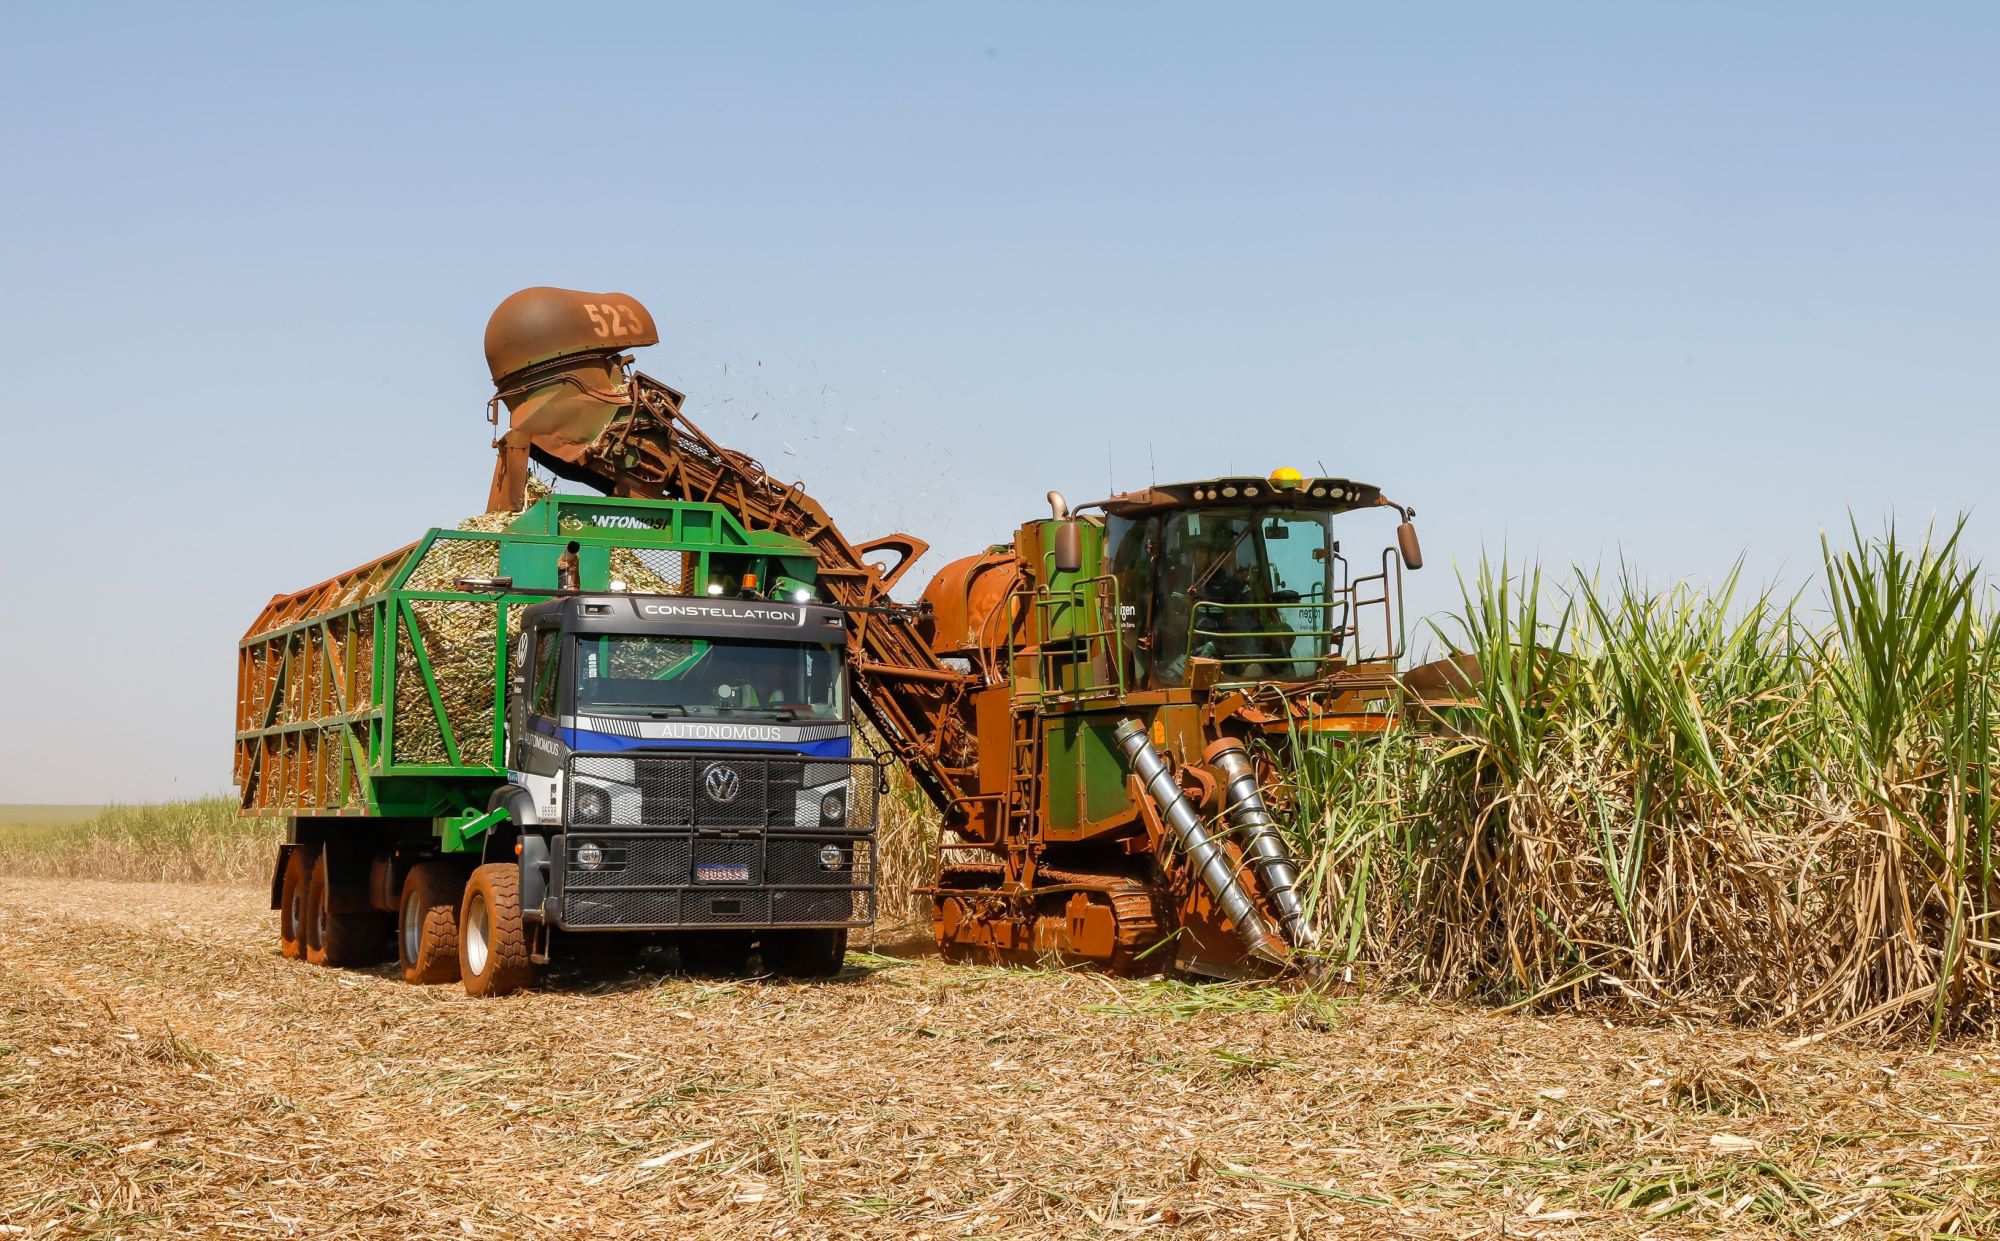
(534, 877)
(285, 852)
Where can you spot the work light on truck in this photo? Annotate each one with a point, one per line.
(592, 805)
(832, 857)
(833, 808)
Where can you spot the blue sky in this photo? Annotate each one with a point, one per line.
(1675, 283)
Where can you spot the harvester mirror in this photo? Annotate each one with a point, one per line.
(1068, 546)
(1406, 542)
(1277, 530)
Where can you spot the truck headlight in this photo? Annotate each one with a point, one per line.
(589, 856)
(832, 857)
(591, 805)
(833, 808)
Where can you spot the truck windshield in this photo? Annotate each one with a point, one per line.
(655, 676)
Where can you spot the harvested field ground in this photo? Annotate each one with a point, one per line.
(163, 1071)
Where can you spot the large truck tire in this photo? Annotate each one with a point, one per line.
(339, 939)
(492, 941)
(292, 906)
(427, 923)
(715, 952)
(814, 953)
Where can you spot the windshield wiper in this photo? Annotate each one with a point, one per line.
(1223, 558)
(658, 710)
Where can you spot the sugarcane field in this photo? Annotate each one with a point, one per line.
(1048, 622)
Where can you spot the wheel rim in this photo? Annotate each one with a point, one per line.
(295, 914)
(475, 934)
(413, 925)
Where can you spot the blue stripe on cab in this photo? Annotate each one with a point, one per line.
(587, 739)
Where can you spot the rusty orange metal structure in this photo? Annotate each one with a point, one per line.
(1096, 709)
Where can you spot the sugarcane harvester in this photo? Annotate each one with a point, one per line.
(1097, 709)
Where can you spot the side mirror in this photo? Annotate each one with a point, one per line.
(514, 707)
(1406, 542)
(1068, 547)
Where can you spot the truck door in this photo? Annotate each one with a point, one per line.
(536, 708)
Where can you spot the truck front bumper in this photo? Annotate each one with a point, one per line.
(633, 880)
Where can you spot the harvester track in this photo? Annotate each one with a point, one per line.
(1136, 918)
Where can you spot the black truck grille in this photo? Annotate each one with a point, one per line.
(757, 843)
(759, 794)
(725, 790)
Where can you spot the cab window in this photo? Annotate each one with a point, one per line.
(548, 653)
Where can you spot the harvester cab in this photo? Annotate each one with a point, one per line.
(1241, 580)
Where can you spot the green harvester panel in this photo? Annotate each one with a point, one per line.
(1072, 604)
(1074, 624)
(1083, 755)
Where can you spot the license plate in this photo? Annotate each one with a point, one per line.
(723, 872)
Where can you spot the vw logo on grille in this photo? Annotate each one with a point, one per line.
(722, 783)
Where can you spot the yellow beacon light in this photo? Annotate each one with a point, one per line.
(1286, 478)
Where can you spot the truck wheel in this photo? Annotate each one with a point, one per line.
(715, 952)
(492, 943)
(427, 926)
(337, 939)
(806, 953)
(292, 906)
